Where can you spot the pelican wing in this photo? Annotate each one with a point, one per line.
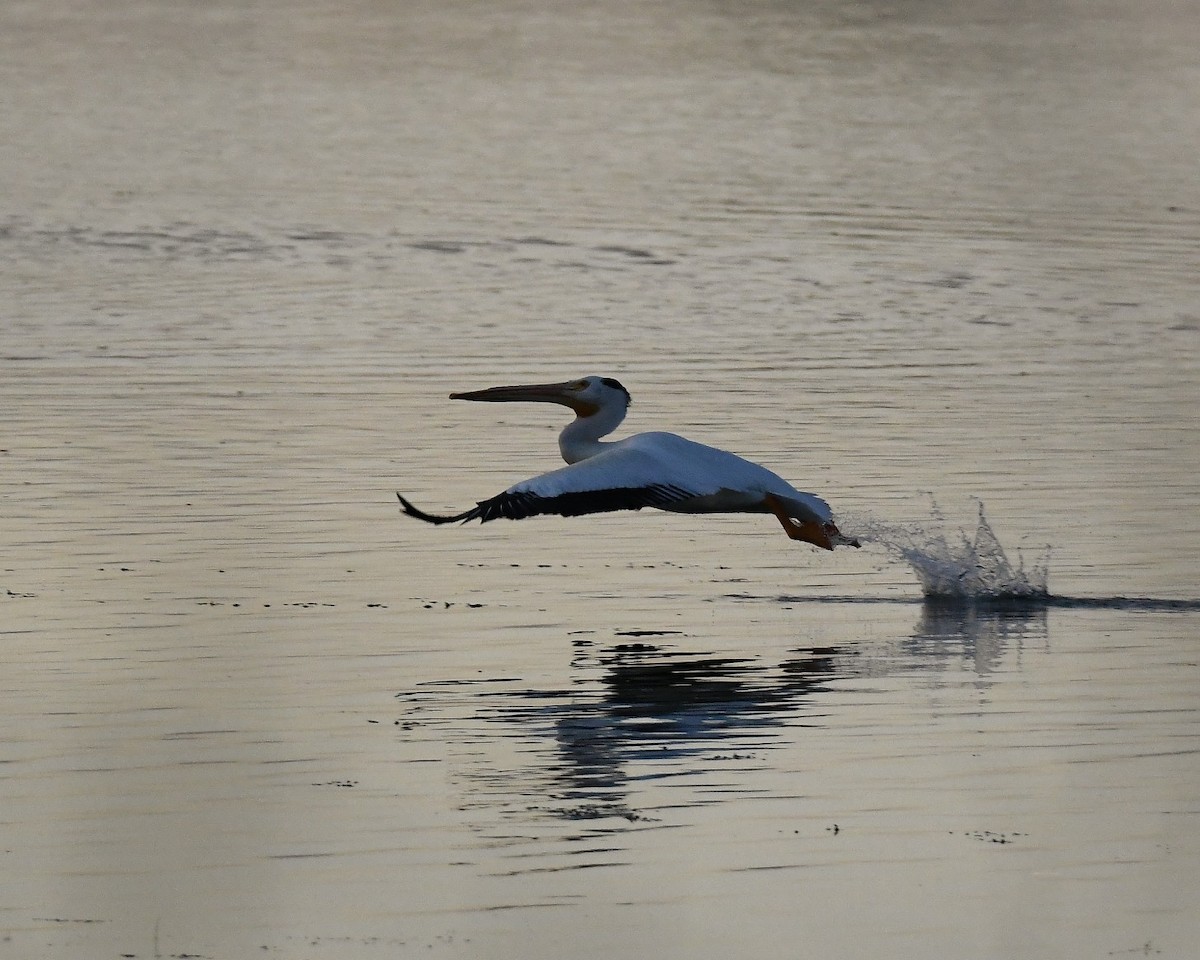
(518, 506)
(646, 470)
(629, 475)
(623, 477)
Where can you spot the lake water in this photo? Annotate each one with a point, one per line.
(923, 260)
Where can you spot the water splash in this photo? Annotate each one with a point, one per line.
(960, 568)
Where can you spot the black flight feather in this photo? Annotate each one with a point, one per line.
(518, 506)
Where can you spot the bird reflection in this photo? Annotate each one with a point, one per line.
(655, 703)
(637, 712)
(634, 718)
(700, 697)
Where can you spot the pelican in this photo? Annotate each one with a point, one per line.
(646, 470)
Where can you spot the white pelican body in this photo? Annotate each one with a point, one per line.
(646, 470)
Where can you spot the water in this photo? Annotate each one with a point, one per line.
(890, 252)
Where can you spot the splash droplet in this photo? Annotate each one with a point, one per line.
(960, 568)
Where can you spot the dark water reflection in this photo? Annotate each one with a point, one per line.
(634, 712)
(702, 697)
(638, 713)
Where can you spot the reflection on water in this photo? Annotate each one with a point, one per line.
(637, 712)
(632, 712)
(980, 635)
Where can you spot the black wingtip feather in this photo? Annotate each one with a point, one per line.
(519, 505)
(431, 518)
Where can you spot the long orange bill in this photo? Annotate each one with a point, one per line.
(544, 392)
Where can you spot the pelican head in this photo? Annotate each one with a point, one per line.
(587, 397)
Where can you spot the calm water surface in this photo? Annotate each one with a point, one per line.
(913, 257)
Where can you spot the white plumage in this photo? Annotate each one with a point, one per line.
(646, 470)
(674, 462)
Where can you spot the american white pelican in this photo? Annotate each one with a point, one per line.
(646, 470)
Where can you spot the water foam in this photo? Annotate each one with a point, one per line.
(958, 567)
